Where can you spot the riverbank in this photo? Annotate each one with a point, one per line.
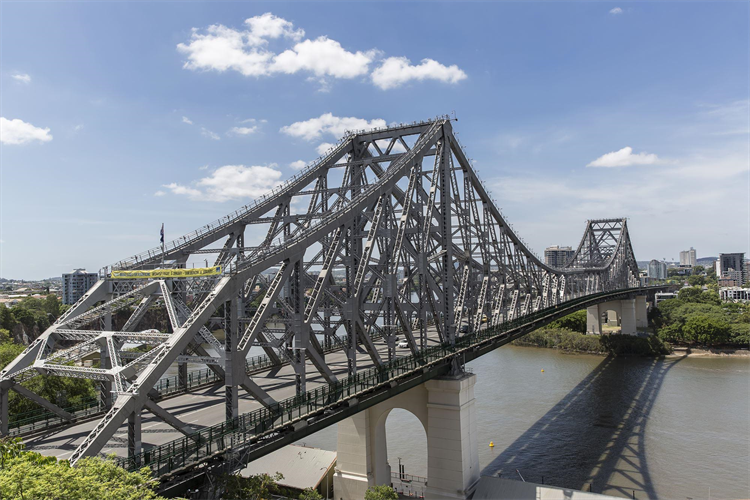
(709, 352)
(575, 342)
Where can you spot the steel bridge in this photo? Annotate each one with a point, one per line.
(390, 235)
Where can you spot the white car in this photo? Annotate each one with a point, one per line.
(402, 345)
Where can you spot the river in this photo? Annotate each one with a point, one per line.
(672, 428)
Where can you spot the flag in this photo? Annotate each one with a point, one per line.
(161, 233)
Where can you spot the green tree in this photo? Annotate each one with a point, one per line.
(25, 317)
(689, 294)
(51, 306)
(30, 475)
(698, 269)
(7, 321)
(258, 487)
(381, 492)
(575, 321)
(706, 329)
(310, 494)
(696, 280)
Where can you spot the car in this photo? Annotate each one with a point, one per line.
(465, 329)
(402, 345)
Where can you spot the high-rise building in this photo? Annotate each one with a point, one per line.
(75, 284)
(688, 257)
(657, 270)
(557, 256)
(732, 266)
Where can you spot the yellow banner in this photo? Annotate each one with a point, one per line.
(167, 273)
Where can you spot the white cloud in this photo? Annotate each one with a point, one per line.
(324, 148)
(230, 182)
(616, 10)
(243, 130)
(298, 165)
(211, 135)
(21, 77)
(396, 71)
(270, 26)
(326, 123)
(78, 128)
(221, 48)
(187, 120)
(624, 158)
(160, 193)
(19, 132)
(323, 57)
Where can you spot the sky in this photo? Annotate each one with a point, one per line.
(118, 117)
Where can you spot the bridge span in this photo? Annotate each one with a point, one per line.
(390, 234)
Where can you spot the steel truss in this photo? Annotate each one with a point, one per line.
(396, 235)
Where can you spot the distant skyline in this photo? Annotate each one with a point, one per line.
(118, 117)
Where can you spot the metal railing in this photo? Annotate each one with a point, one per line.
(41, 418)
(249, 427)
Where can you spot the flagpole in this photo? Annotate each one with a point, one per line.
(162, 244)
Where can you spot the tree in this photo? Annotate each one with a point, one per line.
(258, 487)
(575, 321)
(698, 269)
(381, 492)
(690, 294)
(7, 321)
(705, 329)
(30, 475)
(310, 494)
(696, 280)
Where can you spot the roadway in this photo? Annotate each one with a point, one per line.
(202, 407)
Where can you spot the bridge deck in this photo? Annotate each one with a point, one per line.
(202, 407)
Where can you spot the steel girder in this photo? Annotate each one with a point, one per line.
(390, 232)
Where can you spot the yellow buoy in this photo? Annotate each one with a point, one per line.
(492, 444)
(542, 370)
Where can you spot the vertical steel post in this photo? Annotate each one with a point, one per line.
(134, 433)
(446, 236)
(231, 393)
(4, 410)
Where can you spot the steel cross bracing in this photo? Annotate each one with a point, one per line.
(388, 233)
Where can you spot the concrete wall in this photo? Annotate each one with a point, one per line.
(446, 409)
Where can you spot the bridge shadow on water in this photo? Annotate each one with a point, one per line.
(593, 439)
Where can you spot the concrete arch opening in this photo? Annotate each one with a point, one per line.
(445, 409)
(628, 314)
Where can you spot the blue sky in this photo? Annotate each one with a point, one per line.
(181, 112)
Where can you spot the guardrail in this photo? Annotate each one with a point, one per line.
(248, 427)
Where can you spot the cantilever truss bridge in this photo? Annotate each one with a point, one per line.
(390, 234)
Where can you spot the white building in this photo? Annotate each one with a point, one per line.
(75, 284)
(657, 270)
(688, 257)
(734, 293)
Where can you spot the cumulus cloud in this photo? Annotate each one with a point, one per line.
(160, 193)
(230, 182)
(326, 123)
(19, 132)
(624, 158)
(323, 57)
(396, 71)
(298, 165)
(243, 130)
(324, 148)
(187, 120)
(245, 50)
(616, 10)
(21, 77)
(211, 135)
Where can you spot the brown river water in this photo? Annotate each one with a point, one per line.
(673, 428)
